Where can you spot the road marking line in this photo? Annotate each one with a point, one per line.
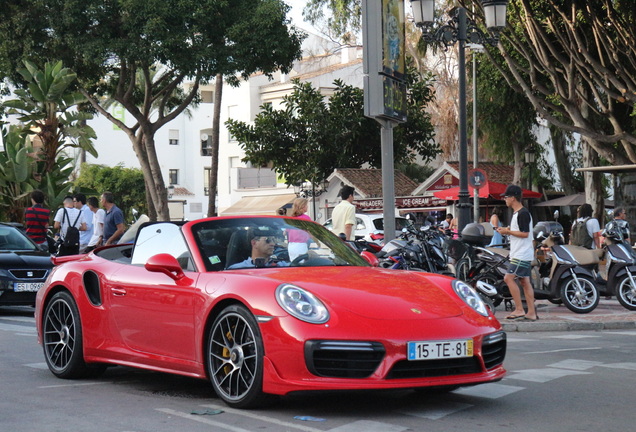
(573, 336)
(16, 328)
(368, 426)
(575, 364)
(438, 410)
(489, 391)
(564, 350)
(29, 320)
(202, 419)
(627, 366)
(42, 365)
(262, 418)
(75, 385)
(543, 375)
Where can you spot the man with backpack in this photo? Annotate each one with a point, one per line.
(69, 221)
(586, 231)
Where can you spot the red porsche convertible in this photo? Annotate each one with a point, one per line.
(263, 306)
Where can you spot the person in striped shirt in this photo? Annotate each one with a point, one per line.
(36, 218)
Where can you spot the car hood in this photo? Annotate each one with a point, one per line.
(372, 292)
(25, 259)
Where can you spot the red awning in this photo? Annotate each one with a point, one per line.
(489, 190)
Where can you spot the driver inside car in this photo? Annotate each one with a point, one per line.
(262, 253)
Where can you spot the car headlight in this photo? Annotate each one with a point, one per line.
(470, 296)
(301, 304)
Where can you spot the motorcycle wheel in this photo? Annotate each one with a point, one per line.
(625, 293)
(461, 269)
(582, 300)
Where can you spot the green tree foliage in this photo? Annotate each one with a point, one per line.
(127, 184)
(108, 43)
(310, 137)
(47, 108)
(19, 176)
(575, 61)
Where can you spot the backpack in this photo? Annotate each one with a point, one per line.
(72, 236)
(580, 236)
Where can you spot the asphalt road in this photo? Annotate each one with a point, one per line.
(557, 381)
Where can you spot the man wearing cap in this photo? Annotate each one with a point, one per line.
(521, 255)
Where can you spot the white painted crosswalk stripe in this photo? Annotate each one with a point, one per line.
(575, 364)
(437, 411)
(368, 426)
(543, 375)
(489, 391)
(263, 418)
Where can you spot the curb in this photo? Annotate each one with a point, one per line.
(566, 326)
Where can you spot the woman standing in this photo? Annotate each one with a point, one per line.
(495, 222)
(298, 240)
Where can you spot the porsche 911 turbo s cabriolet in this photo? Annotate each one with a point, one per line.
(229, 300)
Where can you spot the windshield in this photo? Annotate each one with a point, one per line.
(11, 239)
(235, 243)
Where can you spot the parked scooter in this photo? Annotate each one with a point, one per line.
(556, 275)
(620, 258)
(559, 276)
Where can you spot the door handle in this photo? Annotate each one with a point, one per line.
(118, 291)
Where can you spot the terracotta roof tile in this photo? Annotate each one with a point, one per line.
(369, 181)
(495, 171)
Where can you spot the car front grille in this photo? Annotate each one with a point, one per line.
(343, 359)
(434, 368)
(29, 274)
(493, 349)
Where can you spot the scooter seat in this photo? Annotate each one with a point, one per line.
(586, 256)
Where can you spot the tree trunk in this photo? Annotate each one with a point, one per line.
(593, 185)
(564, 167)
(214, 165)
(155, 183)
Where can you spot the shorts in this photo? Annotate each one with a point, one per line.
(520, 268)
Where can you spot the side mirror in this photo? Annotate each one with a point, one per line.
(166, 264)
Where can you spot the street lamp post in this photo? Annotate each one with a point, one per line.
(530, 154)
(460, 29)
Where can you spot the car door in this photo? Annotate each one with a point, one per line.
(152, 312)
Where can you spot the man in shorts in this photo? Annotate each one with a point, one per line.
(521, 255)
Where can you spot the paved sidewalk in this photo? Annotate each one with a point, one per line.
(608, 315)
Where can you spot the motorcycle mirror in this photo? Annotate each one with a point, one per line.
(556, 215)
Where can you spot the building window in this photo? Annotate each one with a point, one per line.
(207, 96)
(173, 136)
(173, 176)
(206, 181)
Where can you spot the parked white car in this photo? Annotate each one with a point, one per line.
(370, 227)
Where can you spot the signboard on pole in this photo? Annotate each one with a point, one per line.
(384, 60)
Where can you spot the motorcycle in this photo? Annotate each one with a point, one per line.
(556, 275)
(620, 280)
(417, 250)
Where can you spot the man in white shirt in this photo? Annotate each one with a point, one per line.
(521, 255)
(79, 200)
(65, 217)
(344, 214)
(98, 224)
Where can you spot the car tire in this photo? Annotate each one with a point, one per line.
(62, 339)
(234, 358)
